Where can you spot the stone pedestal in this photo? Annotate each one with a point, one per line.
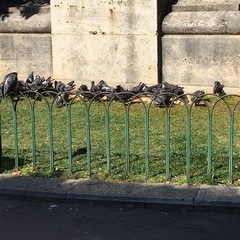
(202, 44)
(105, 39)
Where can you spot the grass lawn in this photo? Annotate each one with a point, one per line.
(138, 113)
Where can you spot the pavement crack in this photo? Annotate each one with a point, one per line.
(67, 192)
(194, 198)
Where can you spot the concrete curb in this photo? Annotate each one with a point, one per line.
(147, 194)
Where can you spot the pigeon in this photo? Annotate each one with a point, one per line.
(102, 90)
(153, 89)
(161, 100)
(171, 88)
(138, 89)
(64, 92)
(94, 87)
(48, 84)
(83, 87)
(84, 91)
(104, 87)
(123, 94)
(120, 88)
(164, 95)
(196, 98)
(9, 84)
(218, 89)
(61, 99)
(30, 77)
(61, 87)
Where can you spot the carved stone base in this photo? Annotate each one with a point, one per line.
(202, 43)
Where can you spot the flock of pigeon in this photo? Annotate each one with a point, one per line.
(35, 86)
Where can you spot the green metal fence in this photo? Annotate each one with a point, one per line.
(111, 137)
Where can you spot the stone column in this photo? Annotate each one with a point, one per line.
(113, 40)
(202, 44)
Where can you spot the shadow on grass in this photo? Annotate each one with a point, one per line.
(8, 163)
(79, 151)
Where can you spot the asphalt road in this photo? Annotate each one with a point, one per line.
(31, 220)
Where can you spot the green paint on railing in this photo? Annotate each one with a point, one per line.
(168, 174)
(50, 127)
(209, 153)
(33, 134)
(69, 137)
(88, 140)
(147, 140)
(231, 134)
(15, 130)
(127, 141)
(188, 143)
(107, 130)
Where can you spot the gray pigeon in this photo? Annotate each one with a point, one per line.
(30, 77)
(196, 98)
(9, 83)
(218, 88)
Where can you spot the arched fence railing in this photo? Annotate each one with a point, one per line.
(107, 136)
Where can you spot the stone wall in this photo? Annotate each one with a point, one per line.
(114, 40)
(202, 44)
(25, 42)
(120, 41)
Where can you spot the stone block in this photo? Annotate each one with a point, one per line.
(24, 53)
(203, 22)
(112, 40)
(207, 5)
(104, 17)
(199, 60)
(125, 59)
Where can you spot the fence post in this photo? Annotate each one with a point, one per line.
(50, 126)
(168, 174)
(147, 140)
(209, 157)
(33, 137)
(69, 130)
(15, 135)
(88, 140)
(188, 143)
(127, 143)
(231, 132)
(107, 129)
